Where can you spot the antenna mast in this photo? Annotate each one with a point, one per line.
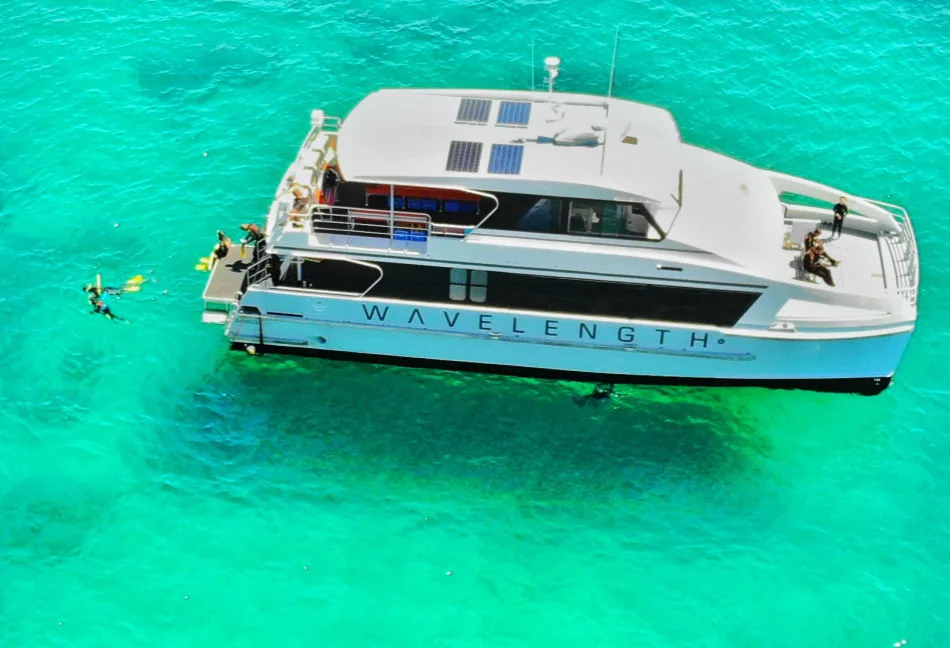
(532, 64)
(613, 63)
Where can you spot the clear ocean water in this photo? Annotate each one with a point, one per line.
(157, 490)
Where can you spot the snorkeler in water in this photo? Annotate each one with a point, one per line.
(98, 295)
(96, 290)
(602, 392)
(100, 307)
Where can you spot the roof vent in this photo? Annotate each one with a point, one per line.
(578, 137)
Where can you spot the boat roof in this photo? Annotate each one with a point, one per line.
(568, 145)
(573, 145)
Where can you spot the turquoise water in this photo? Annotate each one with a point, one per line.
(156, 490)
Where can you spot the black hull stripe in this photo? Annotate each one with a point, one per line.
(863, 386)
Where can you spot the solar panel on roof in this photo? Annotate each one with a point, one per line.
(505, 158)
(514, 113)
(464, 156)
(474, 111)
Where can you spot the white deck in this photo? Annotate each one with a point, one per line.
(861, 271)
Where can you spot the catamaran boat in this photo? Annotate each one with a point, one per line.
(563, 235)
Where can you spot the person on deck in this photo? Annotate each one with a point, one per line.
(330, 181)
(840, 210)
(301, 200)
(254, 236)
(813, 237)
(223, 246)
(812, 262)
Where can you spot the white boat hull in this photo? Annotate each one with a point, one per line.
(469, 338)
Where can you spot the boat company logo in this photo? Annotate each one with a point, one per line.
(540, 328)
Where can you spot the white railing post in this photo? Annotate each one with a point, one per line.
(392, 206)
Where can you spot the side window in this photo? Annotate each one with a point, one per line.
(458, 284)
(612, 220)
(585, 217)
(468, 285)
(544, 216)
(635, 222)
(478, 292)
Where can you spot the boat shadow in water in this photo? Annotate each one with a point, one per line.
(293, 427)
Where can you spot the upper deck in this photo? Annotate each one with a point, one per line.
(411, 160)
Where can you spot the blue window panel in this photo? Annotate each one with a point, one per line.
(505, 159)
(397, 203)
(459, 207)
(514, 113)
(430, 204)
(464, 156)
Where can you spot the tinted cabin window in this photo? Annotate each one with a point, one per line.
(633, 301)
(520, 212)
(524, 213)
(543, 216)
(428, 284)
(616, 220)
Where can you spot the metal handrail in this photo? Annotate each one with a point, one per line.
(392, 226)
(904, 253)
(366, 212)
(257, 271)
(488, 215)
(360, 262)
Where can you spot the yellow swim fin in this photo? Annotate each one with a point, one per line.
(137, 279)
(132, 288)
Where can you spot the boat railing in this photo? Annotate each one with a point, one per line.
(353, 226)
(902, 245)
(322, 123)
(258, 272)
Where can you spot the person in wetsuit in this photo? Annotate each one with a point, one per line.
(813, 237)
(601, 393)
(99, 302)
(223, 245)
(812, 262)
(840, 210)
(95, 292)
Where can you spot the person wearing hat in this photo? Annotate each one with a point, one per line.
(840, 210)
